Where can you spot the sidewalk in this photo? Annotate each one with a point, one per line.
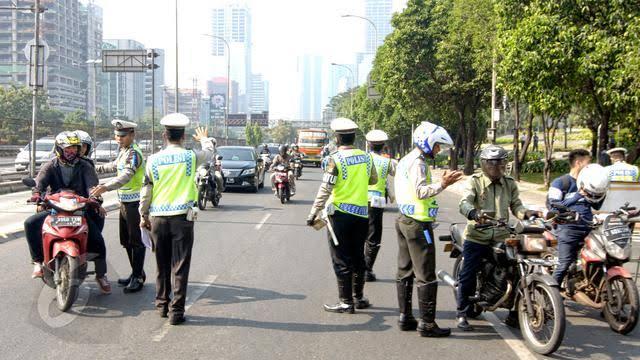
(14, 210)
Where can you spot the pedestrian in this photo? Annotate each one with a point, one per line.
(129, 168)
(167, 209)
(343, 201)
(619, 170)
(378, 195)
(535, 142)
(415, 194)
(522, 141)
(490, 191)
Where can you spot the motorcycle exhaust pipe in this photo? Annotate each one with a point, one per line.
(447, 279)
(584, 299)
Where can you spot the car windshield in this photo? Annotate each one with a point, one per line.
(273, 150)
(236, 154)
(40, 146)
(107, 146)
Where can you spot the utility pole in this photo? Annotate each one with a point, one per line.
(152, 55)
(177, 85)
(34, 101)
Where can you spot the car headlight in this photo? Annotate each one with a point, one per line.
(249, 171)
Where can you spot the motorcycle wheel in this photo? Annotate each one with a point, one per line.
(475, 310)
(202, 198)
(621, 312)
(67, 289)
(544, 332)
(281, 195)
(216, 198)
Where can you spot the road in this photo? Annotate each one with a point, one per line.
(258, 280)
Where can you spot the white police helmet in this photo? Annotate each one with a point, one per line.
(594, 181)
(377, 136)
(427, 135)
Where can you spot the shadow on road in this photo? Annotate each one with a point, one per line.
(218, 294)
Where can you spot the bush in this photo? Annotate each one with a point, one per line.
(537, 166)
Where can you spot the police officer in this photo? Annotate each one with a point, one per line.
(377, 198)
(415, 195)
(489, 191)
(619, 170)
(129, 168)
(166, 207)
(343, 198)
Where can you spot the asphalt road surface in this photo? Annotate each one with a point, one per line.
(258, 280)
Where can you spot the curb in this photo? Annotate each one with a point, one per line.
(17, 234)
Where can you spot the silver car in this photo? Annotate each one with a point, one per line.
(44, 153)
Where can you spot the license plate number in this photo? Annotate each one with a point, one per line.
(62, 221)
(448, 247)
(231, 181)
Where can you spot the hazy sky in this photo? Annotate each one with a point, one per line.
(282, 30)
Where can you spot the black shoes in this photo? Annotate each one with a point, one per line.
(463, 324)
(407, 322)
(177, 319)
(124, 281)
(370, 276)
(164, 312)
(134, 285)
(362, 303)
(432, 330)
(340, 307)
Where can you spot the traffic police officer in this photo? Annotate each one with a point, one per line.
(342, 198)
(129, 168)
(415, 195)
(168, 196)
(488, 191)
(619, 170)
(377, 198)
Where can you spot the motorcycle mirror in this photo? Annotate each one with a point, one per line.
(219, 157)
(28, 182)
(260, 160)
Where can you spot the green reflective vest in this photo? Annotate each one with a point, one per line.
(382, 167)
(130, 192)
(424, 210)
(173, 172)
(350, 193)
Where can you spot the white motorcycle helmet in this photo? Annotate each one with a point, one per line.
(427, 135)
(594, 181)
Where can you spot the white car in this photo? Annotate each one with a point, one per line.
(106, 151)
(44, 153)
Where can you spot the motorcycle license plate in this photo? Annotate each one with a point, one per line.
(231, 181)
(448, 247)
(62, 221)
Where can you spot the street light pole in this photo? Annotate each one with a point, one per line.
(177, 86)
(375, 28)
(95, 63)
(34, 100)
(226, 103)
(352, 82)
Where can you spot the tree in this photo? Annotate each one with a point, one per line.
(282, 133)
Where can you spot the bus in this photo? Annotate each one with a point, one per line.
(311, 142)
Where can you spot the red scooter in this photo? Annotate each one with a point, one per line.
(281, 179)
(64, 243)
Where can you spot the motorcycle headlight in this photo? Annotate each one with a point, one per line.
(202, 172)
(249, 171)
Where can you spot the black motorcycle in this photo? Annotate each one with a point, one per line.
(296, 166)
(207, 186)
(514, 278)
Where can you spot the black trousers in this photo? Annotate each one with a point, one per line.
(351, 231)
(130, 236)
(96, 248)
(416, 251)
(173, 238)
(374, 237)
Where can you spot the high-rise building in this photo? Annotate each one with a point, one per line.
(156, 90)
(259, 94)
(189, 103)
(91, 18)
(232, 22)
(71, 30)
(310, 75)
(379, 12)
(123, 93)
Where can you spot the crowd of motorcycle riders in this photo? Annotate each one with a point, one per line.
(349, 203)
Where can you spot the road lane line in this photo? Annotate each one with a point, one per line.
(195, 295)
(517, 345)
(264, 220)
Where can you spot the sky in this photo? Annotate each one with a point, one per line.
(282, 31)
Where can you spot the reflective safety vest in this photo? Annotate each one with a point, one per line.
(173, 172)
(382, 167)
(424, 210)
(621, 171)
(350, 193)
(130, 192)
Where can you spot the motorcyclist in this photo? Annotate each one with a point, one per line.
(283, 158)
(66, 171)
(265, 150)
(297, 154)
(489, 191)
(215, 171)
(583, 189)
(86, 145)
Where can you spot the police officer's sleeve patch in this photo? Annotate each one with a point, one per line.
(329, 179)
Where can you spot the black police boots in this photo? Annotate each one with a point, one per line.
(371, 253)
(406, 321)
(361, 302)
(427, 326)
(137, 278)
(345, 304)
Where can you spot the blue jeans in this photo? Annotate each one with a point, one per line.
(570, 241)
(473, 254)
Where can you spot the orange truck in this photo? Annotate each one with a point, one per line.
(310, 143)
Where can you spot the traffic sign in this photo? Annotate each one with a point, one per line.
(44, 47)
(372, 92)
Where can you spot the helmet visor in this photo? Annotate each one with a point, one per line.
(494, 168)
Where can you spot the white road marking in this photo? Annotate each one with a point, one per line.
(514, 343)
(264, 220)
(195, 295)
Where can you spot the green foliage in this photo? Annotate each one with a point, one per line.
(282, 133)
(253, 134)
(537, 166)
